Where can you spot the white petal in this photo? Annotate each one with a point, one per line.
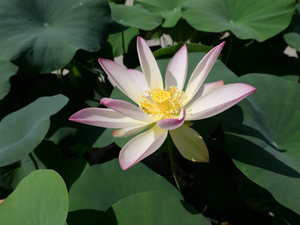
(190, 144)
(122, 79)
(141, 146)
(126, 132)
(127, 109)
(200, 73)
(104, 118)
(205, 89)
(177, 69)
(141, 79)
(149, 65)
(218, 101)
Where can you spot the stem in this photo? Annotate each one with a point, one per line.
(123, 42)
(172, 160)
(230, 48)
(34, 161)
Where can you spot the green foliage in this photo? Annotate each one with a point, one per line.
(262, 135)
(49, 70)
(23, 130)
(7, 69)
(41, 198)
(94, 192)
(43, 36)
(246, 19)
(161, 209)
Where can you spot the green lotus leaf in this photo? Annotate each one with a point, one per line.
(292, 35)
(263, 134)
(246, 19)
(95, 190)
(169, 9)
(135, 16)
(44, 35)
(121, 42)
(46, 154)
(40, 198)
(23, 130)
(7, 69)
(161, 209)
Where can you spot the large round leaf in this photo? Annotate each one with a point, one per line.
(40, 198)
(44, 35)
(263, 136)
(103, 185)
(7, 69)
(23, 130)
(152, 208)
(135, 16)
(247, 19)
(292, 36)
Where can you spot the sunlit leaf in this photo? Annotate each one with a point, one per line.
(40, 198)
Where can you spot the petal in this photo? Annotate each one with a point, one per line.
(177, 69)
(200, 73)
(126, 132)
(127, 109)
(190, 144)
(205, 89)
(104, 118)
(171, 124)
(141, 79)
(218, 101)
(122, 79)
(141, 146)
(149, 65)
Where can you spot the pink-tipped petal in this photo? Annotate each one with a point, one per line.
(141, 146)
(122, 79)
(202, 70)
(218, 100)
(149, 65)
(104, 118)
(171, 124)
(177, 69)
(141, 79)
(126, 132)
(205, 89)
(126, 109)
(190, 144)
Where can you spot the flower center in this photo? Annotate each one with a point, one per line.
(163, 104)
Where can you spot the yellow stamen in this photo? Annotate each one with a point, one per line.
(163, 104)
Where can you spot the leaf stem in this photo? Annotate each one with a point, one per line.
(34, 161)
(123, 42)
(230, 48)
(172, 160)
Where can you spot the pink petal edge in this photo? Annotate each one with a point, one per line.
(126, 109)
(201, 71)
(219, 100)
(171, 124)
(103, 118)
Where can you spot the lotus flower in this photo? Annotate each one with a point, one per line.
(162, 109)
